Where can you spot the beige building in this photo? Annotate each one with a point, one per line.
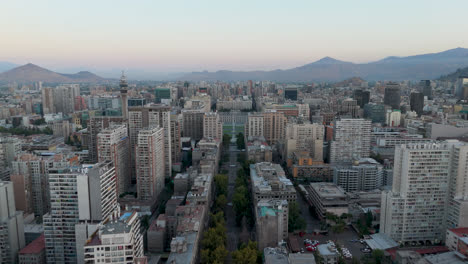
(304, 137)
(212, 126)
(150, 116)
(254, 126)
(150, 163)
(274, 126)
(48, 106)
(271, 218)
(114, 145)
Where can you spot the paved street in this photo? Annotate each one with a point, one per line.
(232, 229)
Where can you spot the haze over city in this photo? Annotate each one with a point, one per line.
(184, 36)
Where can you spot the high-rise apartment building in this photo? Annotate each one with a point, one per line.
(113, 144)
(97, 201)
(417, 102)
(193, 123)
(11, 225)
(150, 163)
(458, 187)
(274, 124)
(392, 96)
(351, 140)
(176, 145)
(117, 241)
(426, 88)
(416, 207)
(150, 116)
(64, 98)
(10, 147)
(36, 169)
(304, 137)
(362, 97)
(77, 194)
(48, 105)
(362, 175)
(95, 125)
(254, 126)
(461, 87)
(212, 126)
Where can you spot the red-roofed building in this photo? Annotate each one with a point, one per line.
(454, 235)
(34, 252)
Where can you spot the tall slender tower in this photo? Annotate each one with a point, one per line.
(123, 95)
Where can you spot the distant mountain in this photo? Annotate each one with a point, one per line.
(425, 66)
(34, 73)
(452, 77)
(5, 66)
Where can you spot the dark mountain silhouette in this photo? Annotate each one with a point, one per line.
(34, 73)
(425, 66)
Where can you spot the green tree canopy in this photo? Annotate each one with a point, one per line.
(295, 220)
(247, 254)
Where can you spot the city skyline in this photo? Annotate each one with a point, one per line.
(187, 36)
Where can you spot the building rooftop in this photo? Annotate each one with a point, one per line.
(328, 190)
(185, 256)
(325, 250)
(298, 258)
(34, 247)
(265, 174)
(275, 256)
(381, 241)
(451, 257)
(461, 231)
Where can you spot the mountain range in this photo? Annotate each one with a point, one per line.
(418, 67)
(34, 73)
(327, 69)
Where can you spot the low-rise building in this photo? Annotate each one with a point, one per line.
(328, 253)
(271, 218)
(269, 182)
(454, 235)
(34, 252)
(326, 197)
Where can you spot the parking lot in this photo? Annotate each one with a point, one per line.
(342, 239)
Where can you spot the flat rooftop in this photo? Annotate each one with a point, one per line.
(328, 190)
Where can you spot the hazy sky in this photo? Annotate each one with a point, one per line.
(178, 35)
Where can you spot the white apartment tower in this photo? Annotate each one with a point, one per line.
(117, 241)
(212, 126)
(11, 225)
(416, 207)
(77, 194)
(113, 144)
(351, 140)
(457, 215)
(149, 162)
